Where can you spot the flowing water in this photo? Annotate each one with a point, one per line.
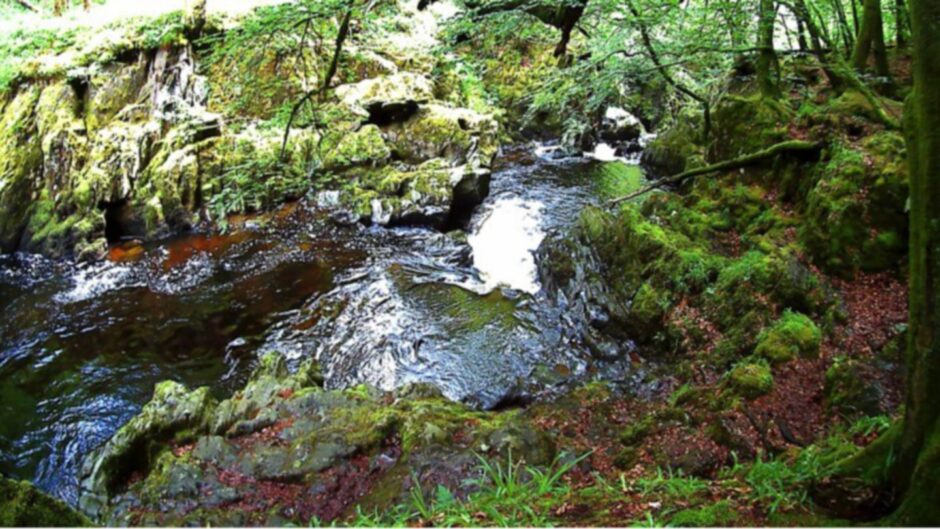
(82, 346)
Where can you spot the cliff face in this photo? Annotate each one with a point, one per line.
(106, 152)
(145, 139)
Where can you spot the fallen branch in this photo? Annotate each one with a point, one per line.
(747, 159)
(28, 5)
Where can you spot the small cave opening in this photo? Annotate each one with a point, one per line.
(384, 114)
(121, 222)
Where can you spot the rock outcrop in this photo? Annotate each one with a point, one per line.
(118, 141)
(285, 450)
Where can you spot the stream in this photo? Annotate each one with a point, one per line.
(81, 346)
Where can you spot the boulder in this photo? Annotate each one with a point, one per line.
(620, 126)
(388, 98)
(172, 413)
(793, 335)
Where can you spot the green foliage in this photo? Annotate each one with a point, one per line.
(506, 494)
(871, 425)
(24, 43)
(279, 53)
(255, 185)
(782, 485)
(669, 484)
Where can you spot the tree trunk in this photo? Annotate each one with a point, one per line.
(844, 26)
(767, 72)
(915, 472)
(801, 35)
(854, 15)
(871, 38)
(58, 7)
(900, 24)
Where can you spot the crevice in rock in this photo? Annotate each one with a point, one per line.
(121, 222)
(384, 114)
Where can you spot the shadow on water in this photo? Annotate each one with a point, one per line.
(82, 346)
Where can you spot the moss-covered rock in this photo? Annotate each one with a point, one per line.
(747, 124)
(852, 389)
(173, 413)
(437, 131)
(23, 505)
(855, 213)
(387, 98)
(751, 379)
(673, 151)
(300, 445)
(20, 163)
(793, 335)
(365, 146)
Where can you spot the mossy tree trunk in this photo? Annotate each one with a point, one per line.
(916, 471)
(871, 40)
(767, 71)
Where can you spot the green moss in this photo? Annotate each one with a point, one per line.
(722, 513)
(637, 431)
(615, 179)
(751, 379)
(23, 505)
(674, 150)
(793, 335)
(744, 125)
(851, 389)
(855, 214)
(648, 308)
(364, 146)
(20, 160)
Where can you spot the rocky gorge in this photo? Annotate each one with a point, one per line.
(237, 294)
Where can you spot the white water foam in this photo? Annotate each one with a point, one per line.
(504, 243)
(95, 280)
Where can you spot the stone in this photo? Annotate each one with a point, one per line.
(173, 412)
(620, 126)
(388, 98)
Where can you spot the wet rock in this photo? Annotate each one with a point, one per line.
(620, 126)
(174, 412)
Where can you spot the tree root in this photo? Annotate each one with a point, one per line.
(742, 161)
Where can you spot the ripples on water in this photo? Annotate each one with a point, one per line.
(82, 346)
